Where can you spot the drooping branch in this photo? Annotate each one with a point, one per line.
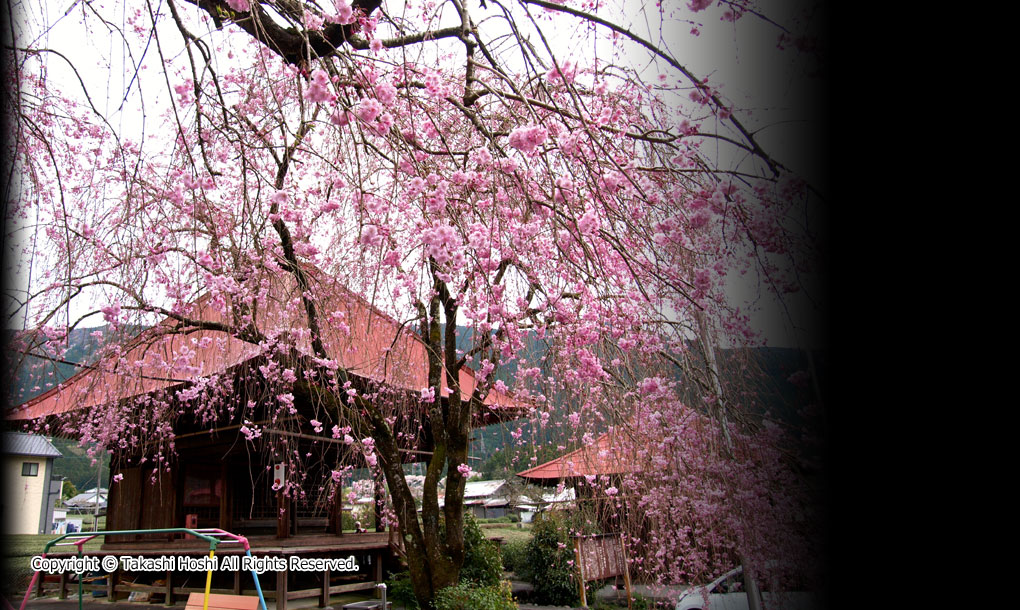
(756, 148)
(297, 46)
(288, 43)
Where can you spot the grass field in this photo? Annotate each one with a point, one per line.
(508, 532)
(18, 550)
(29, 545)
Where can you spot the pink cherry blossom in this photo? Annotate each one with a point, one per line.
(360, 236)
(319, 88)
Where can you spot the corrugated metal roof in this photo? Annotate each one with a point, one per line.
(19, 443)
(476, 489)
(567, 495)
(89, 498)
(477, 493)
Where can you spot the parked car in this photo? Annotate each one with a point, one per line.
(727, 593)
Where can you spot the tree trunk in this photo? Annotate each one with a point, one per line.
(708, 340)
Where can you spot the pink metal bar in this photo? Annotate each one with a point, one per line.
(35, 577)
(215, 531)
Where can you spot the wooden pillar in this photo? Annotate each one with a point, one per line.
(63, 586)
(225, 510)
(336, 514)
(293, 520)
(111, 582)
(324, 596)
(281, 589)
(626, 570)
(237, 582)
(169, 594)
(282, 515)
(580, 572)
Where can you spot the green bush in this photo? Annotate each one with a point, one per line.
(468, 596)
(514, 554)
(482, 565)
(503, 519)
(400, 590)
(548, 562)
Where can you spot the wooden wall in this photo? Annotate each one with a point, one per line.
(136, 502)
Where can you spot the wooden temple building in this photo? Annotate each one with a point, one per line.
(604, 456)
(607, 457)
(223, 470)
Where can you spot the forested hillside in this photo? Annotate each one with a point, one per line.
(29, 370)
(772, 382)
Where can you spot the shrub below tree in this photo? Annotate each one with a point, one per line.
(514, 555)
(479, 576)
(469, 596)
(548, 562)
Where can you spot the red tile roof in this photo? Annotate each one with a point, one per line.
(604, 456)
(361, 338)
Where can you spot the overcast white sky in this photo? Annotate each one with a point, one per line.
(772, 89)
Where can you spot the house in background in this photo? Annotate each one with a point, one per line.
(29, 489)
(487, 499)
(553, 500)
(89, 501)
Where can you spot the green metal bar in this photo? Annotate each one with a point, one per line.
(79, 540)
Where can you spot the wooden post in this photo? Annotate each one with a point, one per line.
(626, 569)
(282, 515)
(225, 511)
(281, 589)
(282, 505)
(324, 596)
(338, 512)
(63, 586)
(237, 582)
(169, 595)
(111, 582)
(580, 571)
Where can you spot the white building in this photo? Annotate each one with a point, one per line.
(29, 490)
(89, 500)
(487, 499)
(552, 500)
